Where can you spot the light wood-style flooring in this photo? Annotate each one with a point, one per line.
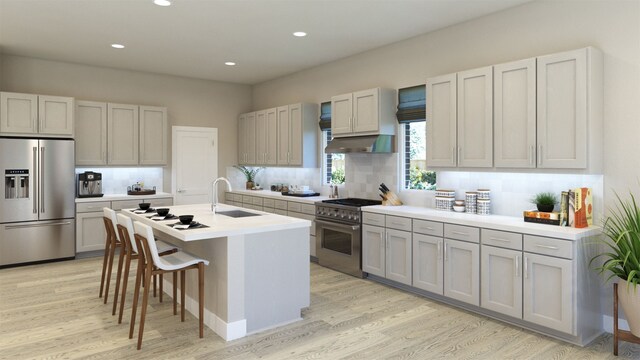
(52, 311)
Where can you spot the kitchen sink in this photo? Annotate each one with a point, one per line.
(237, 213)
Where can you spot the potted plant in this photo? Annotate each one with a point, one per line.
(622, 238)
(250, 174)
(545, 201)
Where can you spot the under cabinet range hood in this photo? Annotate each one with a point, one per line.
(380, 144)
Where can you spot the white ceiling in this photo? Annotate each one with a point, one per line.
(194, 38)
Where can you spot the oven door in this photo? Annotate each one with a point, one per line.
(338, 246)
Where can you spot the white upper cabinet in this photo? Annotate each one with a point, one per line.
(441, 121)
(261, 136)
(514, 97)
(247, 139)
(271, 133)
(122, 137)
(91, 133)
(153, 135)
(366, 112)
(284, 133)
(563, 110)
(29, 114)
(298, 135)
(475, 118)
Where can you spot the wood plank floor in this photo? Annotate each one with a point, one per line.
(52, 311)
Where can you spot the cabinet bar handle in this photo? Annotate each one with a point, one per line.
(428, 228)
(499, 239)
(531, 155)
(526, 268)
(446, 258)
(460, 233)
(459, 151)
(547, 247)
(453, 155)
(439, 248)
(539, 154)
(386, 240)
(517, 265)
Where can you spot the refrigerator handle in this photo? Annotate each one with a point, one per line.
(42, 179)
(33, 193)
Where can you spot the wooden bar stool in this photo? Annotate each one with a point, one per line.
(173, 263)
(130, 250)
(112, 242)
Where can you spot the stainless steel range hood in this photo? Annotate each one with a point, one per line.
(381, 144)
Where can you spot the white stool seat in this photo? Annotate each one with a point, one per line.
(178, 260)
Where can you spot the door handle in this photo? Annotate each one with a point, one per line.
(386, 240)
(180, 190)
(460, 233)
(498, 239)
(439, 248)
(42, 175)
(35, 166)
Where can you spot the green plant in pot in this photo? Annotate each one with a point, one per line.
(622, 240)
(250, 174)
(545, 201)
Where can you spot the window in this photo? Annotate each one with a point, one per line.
(333, 163)
(411, 116)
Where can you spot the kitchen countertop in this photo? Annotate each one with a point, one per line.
(496, 222)
(278, 195)
(221, 225)
(116, 197)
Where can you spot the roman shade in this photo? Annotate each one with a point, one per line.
(325, 116)
(411, 104)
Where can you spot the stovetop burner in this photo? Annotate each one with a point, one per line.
(356, 202)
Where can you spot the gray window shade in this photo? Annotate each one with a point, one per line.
(325, 115)
(411, 104)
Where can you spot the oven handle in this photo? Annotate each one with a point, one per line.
(339, 225)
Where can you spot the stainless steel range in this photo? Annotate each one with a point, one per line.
(339, 234)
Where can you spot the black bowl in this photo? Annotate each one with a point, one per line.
(144, 206)
(163, 211)
(186, 219)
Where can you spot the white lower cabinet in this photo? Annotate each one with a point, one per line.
(548, 292)
(90, 232)
(501, 280)
(373, 250)
(461, 275)
(427, 263)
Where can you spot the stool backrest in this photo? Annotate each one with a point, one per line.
(144, 236)
(110, 222)
(125, 230)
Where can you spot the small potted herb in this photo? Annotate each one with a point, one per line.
(545, 201)
(250, 174)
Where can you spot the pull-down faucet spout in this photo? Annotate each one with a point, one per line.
(214, 192)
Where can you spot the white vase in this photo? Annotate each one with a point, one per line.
(630, 301)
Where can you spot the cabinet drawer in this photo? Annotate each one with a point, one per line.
(229, 196)
(461, 232)
(373, 219)
(548, 246)
(282, 205)
(247, 199)
(268, 203)
(309, 209)
(427, 227)
(502, 239)
(398, 223)
(257, 201)
(92, 206)
(294, 206)
(237, 198)
(280, 211)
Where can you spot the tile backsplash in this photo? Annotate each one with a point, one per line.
(116, 180)
(270, 175)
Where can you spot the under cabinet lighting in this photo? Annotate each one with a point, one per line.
(117, 46)
(230, 63)
(300, 34)
(162, 2)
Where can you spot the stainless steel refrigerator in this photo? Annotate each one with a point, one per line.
(37, 210)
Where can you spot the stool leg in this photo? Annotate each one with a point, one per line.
(175, 293)
(118, 279)
(125, 281)
(154, 286)
(182, 288)
(143, 313)
(107, 248)
(161, 290)
(136, 294)
(112, 253)
(201, 297)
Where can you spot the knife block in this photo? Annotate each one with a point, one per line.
(391, 199)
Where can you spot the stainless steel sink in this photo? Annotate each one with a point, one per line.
(237, 213)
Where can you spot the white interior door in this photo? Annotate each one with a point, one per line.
(194, 163)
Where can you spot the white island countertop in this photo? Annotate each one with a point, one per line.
(221, 225)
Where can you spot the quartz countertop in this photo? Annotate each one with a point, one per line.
(220, 225)
(496, 222)
(278, 195)
(116, 197)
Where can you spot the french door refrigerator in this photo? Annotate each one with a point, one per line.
(37, 207)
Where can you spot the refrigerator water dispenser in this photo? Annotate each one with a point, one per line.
(16, 183)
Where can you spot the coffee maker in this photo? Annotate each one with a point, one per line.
(89, 184)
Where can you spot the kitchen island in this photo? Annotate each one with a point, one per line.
(258, 276)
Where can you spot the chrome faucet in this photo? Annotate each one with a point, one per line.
(214, 192)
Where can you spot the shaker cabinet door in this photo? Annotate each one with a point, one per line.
(341, 114)
(122, 126)
(427, 263)
(373, 250)
(461, 271)
(55, 115)
(475, 118)
(284, 135)
(398, 256)
(91, 133)
(501, 279)
(153, 135)
(18, 113)
(441, 121)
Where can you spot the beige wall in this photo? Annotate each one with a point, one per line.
(190, 102)
(536, 28)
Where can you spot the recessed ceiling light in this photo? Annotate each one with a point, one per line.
(300, 34)
(162, 2)
(230, 63)
(117, 46)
